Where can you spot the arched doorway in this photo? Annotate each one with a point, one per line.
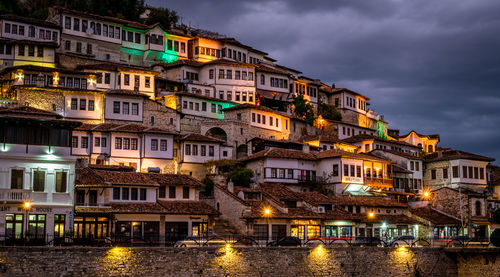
(217, 133)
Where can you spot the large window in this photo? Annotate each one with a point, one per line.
(38, 181)
(261, 231)
(36, 227)
(16, 178)
(59, 223)
(171, 192)
(14, 225)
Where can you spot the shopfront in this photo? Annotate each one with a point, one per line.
(338, 229)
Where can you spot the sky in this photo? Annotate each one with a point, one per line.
(430, 66)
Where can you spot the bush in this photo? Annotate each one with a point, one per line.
(329, 112)
(209, 185)
(495, 238)
(496, 216)
(241, 176)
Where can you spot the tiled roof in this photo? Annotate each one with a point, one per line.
(272, 94)
(387, 218)
(280, 153)
(436, 217)
(109, 66)
(231, 194)
(268, 69)
(367, 201)
(258, 207)
(178, 63)
(251, 106)
(338, 90)
(239, 44)
(454, 155)
(125, 208)
(398, 153)
(280, 192)
(336, 153)
(112, 167)
(432, 136)
(126, 92)
(188, 207)
(105, 177)
(363, 137)
(30, 20)
(26, 111)
(124, 128)
(230, 62)
(399, 169)
(199, 137)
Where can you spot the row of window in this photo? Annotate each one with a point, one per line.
(173, 45)
(31, 50)
(195, 106)
(469, 172)
(191, 76)
(154, 145)
(238, 96)
(275, 82)
(47, 80)
(84, 140)
(124, 108)
(78, 47)
(126, 143)
(5, 49)
(405, 183)
(228, 74)
(107, 30)
(107, 78)
(33, 135)
(132, 194)
(36, 227)
(198, 50)
(120, 143)
(261, 119)
(414, 166)
(19, 30)
(303, 89)
(192, 150)
(85, 105)
(39, 180)
(172, 191)
(137, 80)
(281, 173)
(347, 131)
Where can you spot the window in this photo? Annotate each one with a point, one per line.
(125, 193)
(471, 176)
(352, 171)
(80, 197)
(154, 145)
(134, 142)
(61, 181)
(91, 105)
(346, 170)
(116, 193)
(187, 149)
(464, 172)
(229, 74)
(204, 106)
(126, 143)
(433, 174)
(59, 223)
(21, 50)
(478, 208)
(335, 171)
(39, 51)
(125, 109)
(147, 82)
(137, 81)
(79, 47)
(417, 166)
(412, 165)
(67, 22)
(74, 103)
(219, 108)
(211, 151)
(74, 142)
(83, 104)
(358, 171)
(481, 173)
(118, 143)
(171, 192)
(161, 192)
(213, 108)
(126, 79)
(163, 145)
(263, 79)
(134, 194)
(97, 142)
(142, 195)
(39, 181)
(135, 108)
(85, 142)
(211, 74)
(36, 225)
(195, 150)
(116, 107)
(185, 192)
(445, 173)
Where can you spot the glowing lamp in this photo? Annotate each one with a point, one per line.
(371, 214)
(27, 205)
(267, 211)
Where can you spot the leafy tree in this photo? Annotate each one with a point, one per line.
(329, 112)
(303, 109)
(241, 176)
(209, 185)
(10, 7)
(163, 16)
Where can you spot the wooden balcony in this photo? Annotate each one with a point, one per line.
(15, 195)
(378, 182)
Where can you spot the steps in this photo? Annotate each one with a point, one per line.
(223, 228)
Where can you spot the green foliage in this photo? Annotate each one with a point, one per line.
(163, 16)
(241, 176)
(303, 109)
(329, 112)
(495, 238)
(209, 185)
(10, 7)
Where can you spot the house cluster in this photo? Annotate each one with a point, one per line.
(113, 128)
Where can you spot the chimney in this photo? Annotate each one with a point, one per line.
(230, 186)
(305, 148)
(333, 85)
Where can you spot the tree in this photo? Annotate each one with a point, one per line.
(303, 109)
(163, 16)
(329, 112)
(241, 176)
(209, 185)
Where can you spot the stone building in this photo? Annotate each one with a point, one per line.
(428, 143)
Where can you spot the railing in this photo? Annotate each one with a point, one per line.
(15, 195)
(374, 181)
(7, 103)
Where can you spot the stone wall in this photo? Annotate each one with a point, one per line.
(213, 261)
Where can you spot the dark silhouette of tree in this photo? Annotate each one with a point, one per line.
(303, 109)
(163, 16)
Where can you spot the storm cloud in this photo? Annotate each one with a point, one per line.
(431, 66)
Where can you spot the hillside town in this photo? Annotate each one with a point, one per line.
(117, 130)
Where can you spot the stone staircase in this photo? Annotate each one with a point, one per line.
(223, 228)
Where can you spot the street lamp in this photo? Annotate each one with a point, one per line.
(426, 195)
(27, 207)
(267, 214)
(371, 215)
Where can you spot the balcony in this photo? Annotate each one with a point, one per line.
(15, 195)
(378, 182)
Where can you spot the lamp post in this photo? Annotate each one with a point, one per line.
(26, 207)
(267, 214)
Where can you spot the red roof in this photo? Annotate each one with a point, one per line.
(363, 137)
(124, 128)
(367, 201)
(455, 155)
(280, 153)
(199, 137)
(436, 217)
(188, 207)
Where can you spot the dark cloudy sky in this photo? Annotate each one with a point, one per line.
(432, 66)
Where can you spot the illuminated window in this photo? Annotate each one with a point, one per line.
(61, 181)
(36, 226)
(59, 223)
(38, 181)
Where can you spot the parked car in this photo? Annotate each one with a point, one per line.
(367, 241)
(286, 241)
(402, 241)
